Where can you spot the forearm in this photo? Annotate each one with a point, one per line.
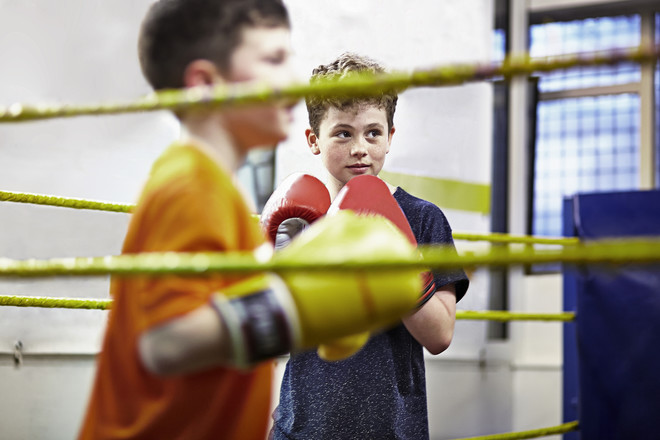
(248, 322)
(433, 324)
(186, 344)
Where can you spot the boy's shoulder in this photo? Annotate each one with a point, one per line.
(420, 212)
(188, 191)
(180, 161)
(410, 201)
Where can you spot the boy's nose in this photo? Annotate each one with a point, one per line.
(288, 76)
(358, 148)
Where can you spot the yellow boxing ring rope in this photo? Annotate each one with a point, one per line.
(614, 252)
(64, 202)
(354, 86)
(598, 252)
(106, 304)
(534, 433)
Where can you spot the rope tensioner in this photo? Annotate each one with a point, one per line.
(613, 252)
(358, 85)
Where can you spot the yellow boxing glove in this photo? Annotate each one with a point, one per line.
(335, 304)
(343, 348)
(370, 196)
(270, 315)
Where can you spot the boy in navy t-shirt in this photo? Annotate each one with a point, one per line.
(380, 392)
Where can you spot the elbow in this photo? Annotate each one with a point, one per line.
(439, 343)
(157, 356)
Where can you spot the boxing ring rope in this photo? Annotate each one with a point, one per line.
(602, 252)
(534, 433)
(55, 303)
(63, 202)
(358, 85)
(502, 238)
(614, 252)
(106, 304)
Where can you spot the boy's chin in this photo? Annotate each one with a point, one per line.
(280, 136)
(275, 132)
(269, 142)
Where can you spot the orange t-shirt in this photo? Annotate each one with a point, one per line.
(189, 204)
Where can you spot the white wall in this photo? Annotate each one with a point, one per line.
(78, 51)
(45, 398)
(536, 356)
(70, 51)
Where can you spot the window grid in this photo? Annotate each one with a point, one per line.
(596, 34)
(585, 144)
(499, 45)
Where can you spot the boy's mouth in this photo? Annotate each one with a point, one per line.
(359, 167)
(288, 111)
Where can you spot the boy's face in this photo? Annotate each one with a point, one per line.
(264, 56)
(351, 142)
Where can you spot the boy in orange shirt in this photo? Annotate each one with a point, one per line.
(168, 365)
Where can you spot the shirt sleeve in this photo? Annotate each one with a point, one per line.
(430, 226)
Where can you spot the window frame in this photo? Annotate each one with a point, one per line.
(645, 88)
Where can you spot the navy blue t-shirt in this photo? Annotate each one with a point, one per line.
(380, 392)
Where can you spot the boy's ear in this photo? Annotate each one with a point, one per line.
(201, 73)
(312, 141)
(389, 138)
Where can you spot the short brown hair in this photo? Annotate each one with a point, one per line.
(346, 64)
(175, 33)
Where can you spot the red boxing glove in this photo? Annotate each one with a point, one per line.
(300, 200)
(368, 194)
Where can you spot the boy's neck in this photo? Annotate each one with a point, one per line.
(211, 137)
(334, 189)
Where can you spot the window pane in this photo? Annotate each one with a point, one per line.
(594, 34)
(499, 45)
(583, 145)
(256, 176)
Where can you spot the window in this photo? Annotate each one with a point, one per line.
(257, 176)
(583, 145)
(587, 134)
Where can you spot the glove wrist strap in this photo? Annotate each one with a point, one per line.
(288, 230)
(261, 325)
(428, 289)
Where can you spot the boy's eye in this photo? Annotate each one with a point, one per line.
(374, 133)
(343, 134)
(276, 58)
